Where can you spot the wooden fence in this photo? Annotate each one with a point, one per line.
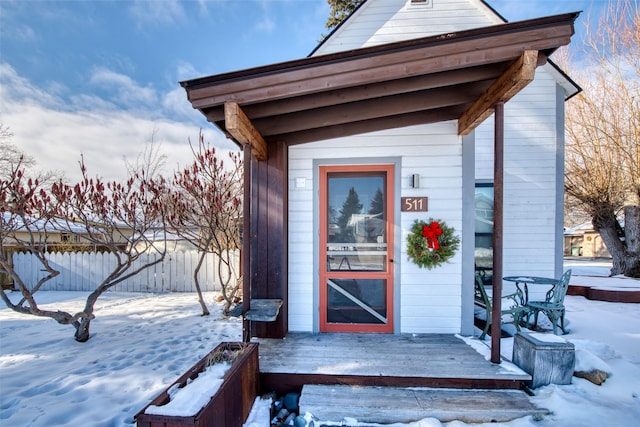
(85, 271)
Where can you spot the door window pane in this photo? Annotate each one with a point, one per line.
(357, 301)
(356, 232)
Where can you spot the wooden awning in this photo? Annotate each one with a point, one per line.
(451, 76)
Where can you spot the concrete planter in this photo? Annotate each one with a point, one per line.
(228, 407)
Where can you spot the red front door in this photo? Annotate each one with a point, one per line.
(356, 248)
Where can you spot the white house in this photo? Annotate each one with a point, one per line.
(397, 103)
(449, 168)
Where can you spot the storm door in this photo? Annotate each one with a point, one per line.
(356, 248)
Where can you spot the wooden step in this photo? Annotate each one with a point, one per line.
(387, 405)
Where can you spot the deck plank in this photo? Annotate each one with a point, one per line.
(386, 405)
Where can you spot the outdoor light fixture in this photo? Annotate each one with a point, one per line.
(415, 181)
(300, 182)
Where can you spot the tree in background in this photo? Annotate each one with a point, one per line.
(340, 10)
(602, 169)
(121, 218)
(207, 200)
(377, 203)
(350, 206)
(11, 156)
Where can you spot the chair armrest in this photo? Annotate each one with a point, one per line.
(515, 298)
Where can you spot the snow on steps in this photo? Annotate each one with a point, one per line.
(387, 405)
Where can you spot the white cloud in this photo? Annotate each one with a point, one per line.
(127, 92)
(266, 24)
(21, 32)
(186, 71)
(157, 13)
(12, 86)
(57, 132)
(176, 105)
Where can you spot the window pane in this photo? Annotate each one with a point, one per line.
(484, 209)
(484, 232)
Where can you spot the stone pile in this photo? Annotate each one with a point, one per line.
(285, 411)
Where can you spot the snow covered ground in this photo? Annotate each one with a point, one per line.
(141, 343)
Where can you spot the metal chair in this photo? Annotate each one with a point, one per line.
(510, 303)
(553, 304)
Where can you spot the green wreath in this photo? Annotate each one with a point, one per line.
(431, 243)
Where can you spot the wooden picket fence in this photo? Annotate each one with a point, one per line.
(84, 271)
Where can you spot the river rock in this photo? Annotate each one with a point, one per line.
(596, 376)
(291, 401)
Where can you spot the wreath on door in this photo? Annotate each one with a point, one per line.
(431, 243)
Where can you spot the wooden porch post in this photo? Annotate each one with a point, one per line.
(246, 243)
(498, 220)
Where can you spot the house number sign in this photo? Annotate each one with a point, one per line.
(414, 204)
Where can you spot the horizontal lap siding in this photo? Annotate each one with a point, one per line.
(429, 299)
(387, 21)
(530, 177)
(531, 184)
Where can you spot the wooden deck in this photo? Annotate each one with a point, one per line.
(434, 360)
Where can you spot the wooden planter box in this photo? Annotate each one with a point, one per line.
(231, 404)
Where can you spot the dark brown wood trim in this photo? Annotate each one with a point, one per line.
(246, 243)
(285, 383)
(498, 221)
(357, 93)
(244, 132)
(601, 294)
(269, 270)
(314, 61)
(383, 123)
(513, 80)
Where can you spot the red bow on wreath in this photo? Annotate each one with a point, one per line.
(431, 233)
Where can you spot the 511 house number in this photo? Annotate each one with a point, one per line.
(414, 204)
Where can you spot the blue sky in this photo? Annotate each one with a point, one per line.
(100, 77)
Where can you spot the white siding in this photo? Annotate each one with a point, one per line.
(386, 21)
(530, 177)
(429, 300)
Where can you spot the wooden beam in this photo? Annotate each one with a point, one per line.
(513, 80)
(245, 255)
(240, 127)
(368, 109)
(498, 228)
(358, 93)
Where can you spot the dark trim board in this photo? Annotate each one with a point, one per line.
(603, 294)
(286, 383)
(269, 221)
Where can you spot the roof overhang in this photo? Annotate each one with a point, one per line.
(458, 76)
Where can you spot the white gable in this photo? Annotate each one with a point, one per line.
(386, 21)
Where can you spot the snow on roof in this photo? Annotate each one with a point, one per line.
(42, 225)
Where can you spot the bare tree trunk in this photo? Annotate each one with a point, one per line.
(631, 264)
(82, 330)
(205, 310)
(228, 283)
(625, 252)
(82, 324)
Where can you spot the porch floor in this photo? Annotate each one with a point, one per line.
(430, 360)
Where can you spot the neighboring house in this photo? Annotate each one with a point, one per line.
(49, 236)
(583, 240)
(390, 102)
